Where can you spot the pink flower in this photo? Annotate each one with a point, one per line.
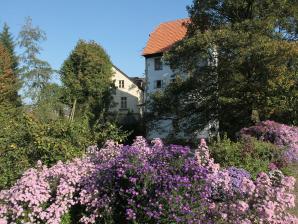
(242, 206)
(272, 166)
(3, 221)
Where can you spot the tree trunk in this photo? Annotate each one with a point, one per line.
(71, 117)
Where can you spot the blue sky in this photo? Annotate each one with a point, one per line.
(122, 27)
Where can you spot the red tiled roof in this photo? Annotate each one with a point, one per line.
(164, 36)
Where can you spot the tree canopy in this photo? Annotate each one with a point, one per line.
(250, 56)
(8, 81)
(87, 77)
(7, 41)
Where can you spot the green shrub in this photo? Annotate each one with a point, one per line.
(248, 153)
(24, 140)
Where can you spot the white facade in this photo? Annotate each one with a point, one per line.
(128, 96)
(165, 75)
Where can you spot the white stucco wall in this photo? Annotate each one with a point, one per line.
(131, 91)
(152, 75)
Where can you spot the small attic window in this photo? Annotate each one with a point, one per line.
(121, 83)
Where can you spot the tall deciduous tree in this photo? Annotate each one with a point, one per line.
(35, 72)
(86, 75)
(251, 63)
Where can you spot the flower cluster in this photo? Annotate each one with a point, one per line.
(147, 183)
(279, 134)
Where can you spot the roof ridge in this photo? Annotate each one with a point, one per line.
(123, 73)
(175, 20)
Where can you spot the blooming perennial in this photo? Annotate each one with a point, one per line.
(279, 134)
(147, 183)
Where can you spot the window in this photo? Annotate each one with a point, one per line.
(158, 84)
(123, 103)
(121, 83)
(157, 63)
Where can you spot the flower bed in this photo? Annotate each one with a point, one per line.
(145, 183)
(279, 134)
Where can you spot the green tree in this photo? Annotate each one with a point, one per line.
(35, 72)
(87, 77)
(7, 41)
(49, 105)
(88, 87)
(8, 81)
(249, 56)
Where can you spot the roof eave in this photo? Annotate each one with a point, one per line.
(155, 54)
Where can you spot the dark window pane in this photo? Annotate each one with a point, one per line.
(158, 63)
(123, 103)
(158, 84)
(121, 83)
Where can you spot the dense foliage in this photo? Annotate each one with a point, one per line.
(145, 183)
(250, 154)
(8, 80)
(87, 90)
(8, 42)
(282, 135)
(247, 55)
(87, 77)
(24, 140)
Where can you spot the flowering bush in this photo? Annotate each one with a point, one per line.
(253, 155)
(145, 183)
(279, 134)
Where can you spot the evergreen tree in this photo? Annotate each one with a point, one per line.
(7, 41)
(8, 80)
(251, 58)
(36, 73)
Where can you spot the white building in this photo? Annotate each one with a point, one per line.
(158, 74)
(129, 94)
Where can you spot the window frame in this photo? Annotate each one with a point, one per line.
(123, 103)
(158, 65)
(158, 86)
(121, 84)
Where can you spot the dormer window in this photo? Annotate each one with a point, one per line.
(121, 84)
(157, 63)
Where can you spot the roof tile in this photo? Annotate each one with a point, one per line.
(165, 35)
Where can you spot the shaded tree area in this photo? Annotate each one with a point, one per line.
(242, 59)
